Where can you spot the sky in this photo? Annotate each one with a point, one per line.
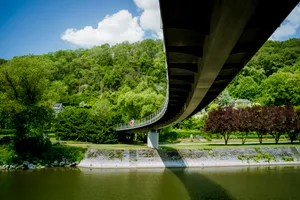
(42, 26)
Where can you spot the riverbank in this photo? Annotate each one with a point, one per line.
(55, 156)
(147, 158)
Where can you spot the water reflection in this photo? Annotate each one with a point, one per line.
(130, 184)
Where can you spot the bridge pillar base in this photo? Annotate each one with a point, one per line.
(152, 139)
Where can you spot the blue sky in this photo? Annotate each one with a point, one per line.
(42, 26)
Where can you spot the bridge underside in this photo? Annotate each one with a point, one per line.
(207, 43)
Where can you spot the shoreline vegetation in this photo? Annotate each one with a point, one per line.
(106, 85)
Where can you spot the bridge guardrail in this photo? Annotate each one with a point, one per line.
(150, 119)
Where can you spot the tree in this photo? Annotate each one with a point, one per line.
(247, 88)
(24, 82)
(220, 121)
(224, 99)
(292, 125)
(281, 89)
(242, 122)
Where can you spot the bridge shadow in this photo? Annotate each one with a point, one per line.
(198, 186)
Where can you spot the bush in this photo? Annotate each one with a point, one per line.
(33, 146)
(7, 131)
(8, 155)
(193, 123)
(78, 124)
(59, 152)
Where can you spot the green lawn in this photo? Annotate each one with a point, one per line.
(211, 146)
(109, 146)
(177, 145)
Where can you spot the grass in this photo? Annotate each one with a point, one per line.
(108, 146)
(177, 145)
(211, 146)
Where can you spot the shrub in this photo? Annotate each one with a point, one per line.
(79, 124)
(7, 131)
(33, 146)
(7, 155)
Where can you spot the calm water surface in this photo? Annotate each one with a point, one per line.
(265, 183)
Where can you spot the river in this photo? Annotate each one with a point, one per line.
(265, 183)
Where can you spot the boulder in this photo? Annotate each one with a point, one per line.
(55, 163)
(31, 166)
(2, 167)
(12, 167)
(26, 163)
(73, 164)
(62, 163)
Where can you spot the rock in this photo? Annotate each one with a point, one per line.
(31, 166)
(55, 163)
(46, 165)
(12, 167)
(7, 167)
(2, 167)
(26, 163)
(73, 164)
(62, 163)
(67, 165)
(42, 167)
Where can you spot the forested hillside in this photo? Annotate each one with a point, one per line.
(272, 77)
(105, 85)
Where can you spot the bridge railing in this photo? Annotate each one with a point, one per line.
(150, 119)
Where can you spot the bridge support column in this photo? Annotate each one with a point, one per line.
(152, 139)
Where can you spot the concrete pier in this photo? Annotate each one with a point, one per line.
(152, 139)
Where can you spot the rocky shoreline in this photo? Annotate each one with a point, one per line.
(148, 158)
(29, 166)
(164, 158)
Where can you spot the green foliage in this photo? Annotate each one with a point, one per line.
(281, 88)
(193, 123)
(78, 124)
(224, 99)
(287, 158)
(272, 76)
(8, 156)
(247, 88)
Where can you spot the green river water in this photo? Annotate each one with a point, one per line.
(265, 183)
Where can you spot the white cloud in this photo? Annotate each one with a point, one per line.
(289, 27)
(113, 29)
(150, 18)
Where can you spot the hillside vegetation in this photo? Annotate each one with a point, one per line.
(106, 85)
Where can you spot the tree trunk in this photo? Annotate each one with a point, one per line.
(226, 137)
(260, 139)
(244, 138)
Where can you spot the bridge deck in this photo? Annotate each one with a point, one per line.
(207, 43)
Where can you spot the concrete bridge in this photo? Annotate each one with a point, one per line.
(206, 44)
